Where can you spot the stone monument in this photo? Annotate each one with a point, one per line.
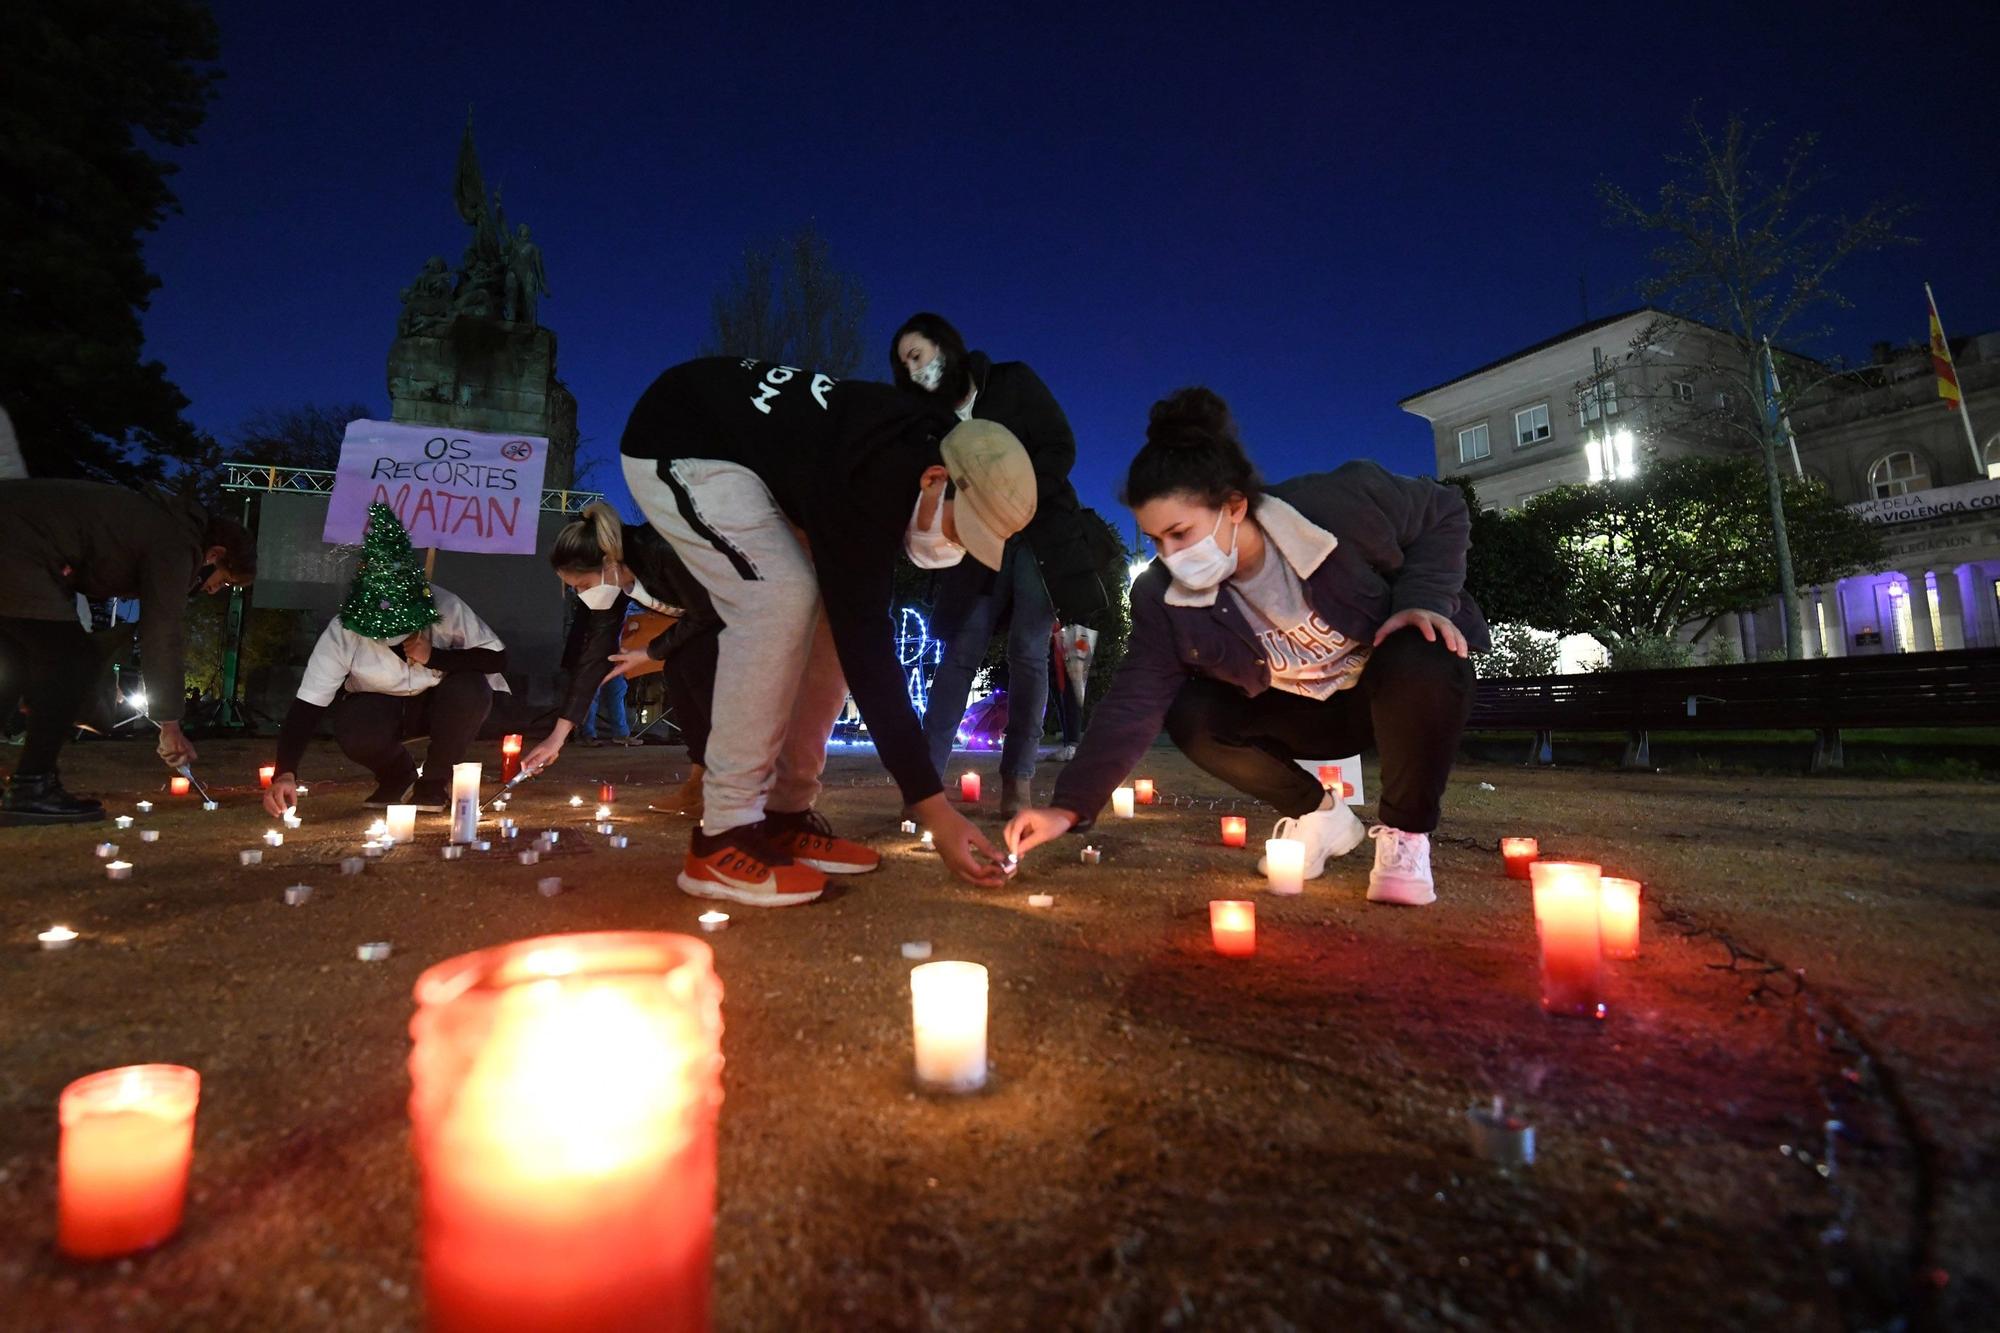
(469, 351)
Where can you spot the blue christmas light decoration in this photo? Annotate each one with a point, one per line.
(919, 654)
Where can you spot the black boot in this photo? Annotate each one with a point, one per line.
(430, 794)
(42, 800)
(393, 789)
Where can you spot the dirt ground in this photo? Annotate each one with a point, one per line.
(1172, 1139)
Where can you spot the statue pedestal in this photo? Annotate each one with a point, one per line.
(487, 375)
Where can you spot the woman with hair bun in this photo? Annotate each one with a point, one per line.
(1315, 616)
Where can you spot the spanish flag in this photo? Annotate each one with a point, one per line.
(1947, 374)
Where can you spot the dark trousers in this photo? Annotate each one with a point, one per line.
(1410, 704)
(690, 689)
(49, 665)
(371, 728)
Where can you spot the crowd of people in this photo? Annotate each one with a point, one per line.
(1324, 614)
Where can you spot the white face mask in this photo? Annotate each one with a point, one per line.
(929, 548)
(1205, 564)
(601, 598)
(930, 374)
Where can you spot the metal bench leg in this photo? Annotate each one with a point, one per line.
(1826, 754)
(1638, 750)
(1542, 750)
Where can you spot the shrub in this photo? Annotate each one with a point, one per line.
(1645, 652)
(1518, 651)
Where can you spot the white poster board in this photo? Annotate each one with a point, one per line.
(452, 489)
(1333, 772)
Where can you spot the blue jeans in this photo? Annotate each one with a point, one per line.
(1019, 597)
(610, 701)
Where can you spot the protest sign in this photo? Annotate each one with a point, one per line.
(455, 490)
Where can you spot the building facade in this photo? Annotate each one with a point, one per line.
(1597, 401)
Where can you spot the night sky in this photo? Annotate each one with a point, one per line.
(1315, 218)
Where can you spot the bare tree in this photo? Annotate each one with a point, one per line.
(308, 435)
(1740, 250)
(788, 303)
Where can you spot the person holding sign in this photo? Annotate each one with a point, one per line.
(791, 496)
(414, 661)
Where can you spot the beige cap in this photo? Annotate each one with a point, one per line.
(995, 487)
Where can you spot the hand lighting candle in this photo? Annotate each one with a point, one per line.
(1285, 865)
(1232, 925)
(1519, 854)
(1618, 917)
(127, 1141)
(948, 1009)
(1566, 911)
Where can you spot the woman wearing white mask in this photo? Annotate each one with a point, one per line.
(1321, 616)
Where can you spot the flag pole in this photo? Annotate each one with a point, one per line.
(1971, 438)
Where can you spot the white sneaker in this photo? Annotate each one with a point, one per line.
(1325, 833)
(1402, 872)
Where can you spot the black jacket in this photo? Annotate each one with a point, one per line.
(843, 459)
(594, 634)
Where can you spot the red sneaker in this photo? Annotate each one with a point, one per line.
(807, 839)
(741, 866)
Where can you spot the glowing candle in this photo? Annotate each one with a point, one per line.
(607, 792)
(575, 801)
(178, 786)
(968, 786)
(1142, 790)
(465, 802)
(378, 830)
(1618, 917)
(57, 937)
(510, 756)
(1285, 865)
(291, 819)
(1232, 924)
(1519, 854)
(711, 922)
(118, 869)
(603, 813)
(106, 850)
(144, 807)
(563, 1104)
(1091, 856)
(402, 822)
(123, 821)
(1235, 831)
(273, 838)
(1121, 802)
(1566, 911)
(948, 1012)
(127, 1141)
(265, 774)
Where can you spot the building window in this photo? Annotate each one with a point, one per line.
(1531, 424)
(1598, 400)
(1683, 391)
(1474, 444)
(1897, 474)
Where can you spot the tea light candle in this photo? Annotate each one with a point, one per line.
(402, 822)
(296, 895)
(290, 819)
(929, 840)
(1572, 956)
(619, 842)
(273, 838)
(372, 849)
(1142, 790)
(452, 851)
(1618, 917)
(948, 1014)
(1091, 856)
(378, 829)
(510, 756)
(510, 831)
(916, 950)
(908, 826)
(301, 789)
(1285, 865)
(575, 801)
(529, 856)
(122, 1169)
(1519, 854)
(483, 845)
(106, 850)
(144, 807)
(210, 807)
(1121, 802)
(603, 813)
(1500, 1138)
(57, 937)
(550, 886)
(374, 952)
(149, 835)
(265, 774)
(1232, 925)
(713, 921)
(178, 786)
(123, 821)
(352, 865)
(605, 828)
(118, 869)
(251, 856)
(1235, 831)
(1041, 900)
(968, 786)
(551, 836)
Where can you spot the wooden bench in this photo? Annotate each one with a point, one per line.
(1960, 688)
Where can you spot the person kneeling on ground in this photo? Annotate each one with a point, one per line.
(1315, 618)
(414, 661)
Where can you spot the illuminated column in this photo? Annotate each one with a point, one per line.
(1951, 610)
(1919, 604)
(1809, 614)
(1834, 602)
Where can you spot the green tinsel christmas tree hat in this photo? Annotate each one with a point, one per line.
(390, 595)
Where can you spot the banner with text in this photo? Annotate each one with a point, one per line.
(1971, 497)
(453, 489)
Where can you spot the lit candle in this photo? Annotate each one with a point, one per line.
(375, 951)
(297, 894)
(1121, 802)
(265, 774)
(1285, 865)
(1618, 917)
(118, 869)
(465, 802)
(273, 838)
(968, 786)
(372, 849)
(1142, 790)
(603, 813)
(210, 806)
(123, 821)
(510, 756)
(127, 1141)
(402, 822)
(1235, 831)
(1232, 924)
(929, 840)
(607, 792)
(563, 1105)
(177, 786)
(948, 1009)
(378, 829)
(713, 921)
(1041, 900)
(1566, 911)
(291, 819)
(575, 801)
(144, 807)
(57, 937)
(1519, 854)
(1091, 856)
(908, 826)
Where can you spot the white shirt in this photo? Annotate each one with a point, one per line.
(343, 659)
(1305, 654)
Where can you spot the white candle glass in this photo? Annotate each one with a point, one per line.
(465, 802)
(1285, 862)
(1121, 802)
(948, 1010)
(402, 822)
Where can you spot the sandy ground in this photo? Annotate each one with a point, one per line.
(1172, 1139)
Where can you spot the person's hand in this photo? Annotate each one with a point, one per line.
(964, 848)
(544, 754)
(417, 648)
(282, 794)
(1032, 828)
(629, 662)
(1427, 623)
(175, 749)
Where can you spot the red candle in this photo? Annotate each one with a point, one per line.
(510, 756)
(1142, 790)
(1618, 918)
(265, 774)
(1334, 780)
(1519, 854)
(1235, 831)
(1232, 924)
(127, 1141)
(177, 786)
(562, 1104)
(607, 792)
(968, 786)
(1566, 911)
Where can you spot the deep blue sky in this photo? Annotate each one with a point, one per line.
(1315, 216)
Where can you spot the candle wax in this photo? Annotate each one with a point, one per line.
(1121, 802)
(1618, 918)
(127, 1141)
(948, 1011)
(1566, 912)
(1232, 925)
(1285, 862)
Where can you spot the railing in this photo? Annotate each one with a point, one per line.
(319, 481)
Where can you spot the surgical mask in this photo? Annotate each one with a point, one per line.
(929, 548)
(930, 374)
(1205, 564)
(601, 598)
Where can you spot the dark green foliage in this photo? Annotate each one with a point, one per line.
(390, 595)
